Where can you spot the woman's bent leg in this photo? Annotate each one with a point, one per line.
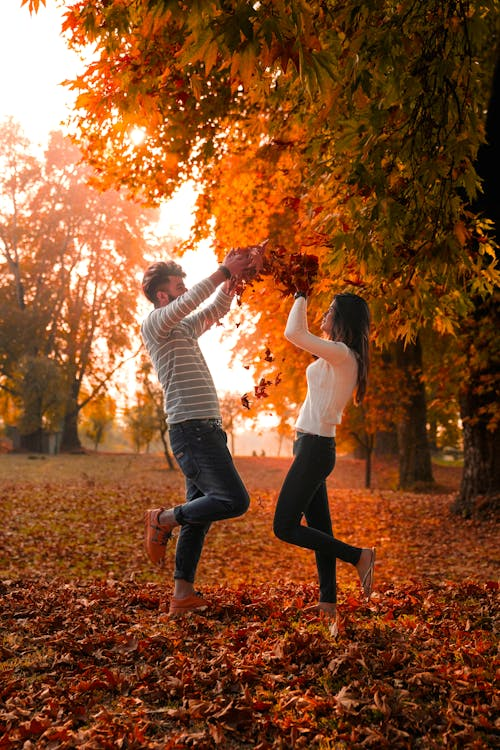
(317, 515)
(313, 462)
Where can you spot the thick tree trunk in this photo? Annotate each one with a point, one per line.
(415, 467)
(70, 441)
(386, 443)
(480, 488)
(32, 442)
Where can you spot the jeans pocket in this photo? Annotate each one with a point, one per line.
(187, 462)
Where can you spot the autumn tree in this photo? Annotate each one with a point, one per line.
(383, 409)
(232, 415)
(442, 380)
(98, 416)
(381, 106)
(39, 397)
(141, 424)
(69, 253)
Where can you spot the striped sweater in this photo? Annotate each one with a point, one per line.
(170, 334)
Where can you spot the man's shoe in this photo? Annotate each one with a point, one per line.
(155, 536)
(192, 603)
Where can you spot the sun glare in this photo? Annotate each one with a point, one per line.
(176, 214)
(137, 135)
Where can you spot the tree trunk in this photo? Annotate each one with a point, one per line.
(386, 443)
(368, 465)
(166, 448)
(280, 443)
(415, 466)
(364, 450)
(480, 488)
(32, 443)
(70, 441)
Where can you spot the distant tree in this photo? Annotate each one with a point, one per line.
(141, 424)
(415, 465)
(67, 255)
(384, 406)
(285, 428)
(232, 415)
(442, 379)
(40, 397)
(98, 417)
(151, 393)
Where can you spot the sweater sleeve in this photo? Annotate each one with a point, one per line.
(297, 332)
(163, 319)
(203, 319)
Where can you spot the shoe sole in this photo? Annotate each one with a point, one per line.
(147, 525)
(187, 610)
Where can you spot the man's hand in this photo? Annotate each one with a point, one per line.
(254, 255)
(236, 263)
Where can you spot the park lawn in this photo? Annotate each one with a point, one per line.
(88, 657)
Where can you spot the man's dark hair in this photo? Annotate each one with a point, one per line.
(157, 274)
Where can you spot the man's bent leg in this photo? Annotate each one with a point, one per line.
(201, 451)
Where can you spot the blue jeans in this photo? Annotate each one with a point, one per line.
(214, 490)
(304, 494)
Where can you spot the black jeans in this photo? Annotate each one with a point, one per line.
(304, 494)
(214, 490)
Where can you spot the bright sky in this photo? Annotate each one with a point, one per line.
(34, 60)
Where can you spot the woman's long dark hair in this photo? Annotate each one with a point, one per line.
(351, 325)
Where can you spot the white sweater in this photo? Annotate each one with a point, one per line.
(331, 379)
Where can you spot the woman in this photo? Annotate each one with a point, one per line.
(338, 373)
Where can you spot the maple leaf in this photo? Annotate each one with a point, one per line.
(33, 5)
(260, 389)
(244, 401)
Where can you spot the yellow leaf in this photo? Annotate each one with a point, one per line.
(210, 57)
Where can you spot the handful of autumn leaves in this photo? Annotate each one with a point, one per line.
(291, 272)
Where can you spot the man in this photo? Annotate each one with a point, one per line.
(214, 490)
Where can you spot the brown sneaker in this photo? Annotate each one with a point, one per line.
(192, 603)
(155, 536)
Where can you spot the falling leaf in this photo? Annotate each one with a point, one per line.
(245, 402)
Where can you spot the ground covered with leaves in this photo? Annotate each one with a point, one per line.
(90, 659)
